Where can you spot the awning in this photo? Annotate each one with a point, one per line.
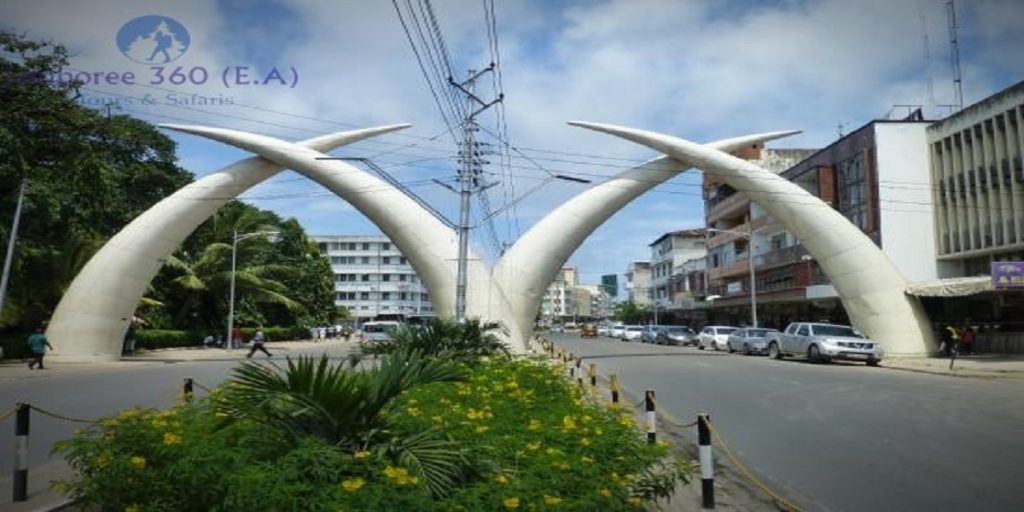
(951, 287)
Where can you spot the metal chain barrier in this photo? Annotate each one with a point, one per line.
(8, 414)
(202, 387)
(783, 502)
(59, 416)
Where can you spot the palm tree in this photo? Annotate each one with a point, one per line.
(346, 408)
(465, 341)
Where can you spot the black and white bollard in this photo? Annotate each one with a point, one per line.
(651, 416)
(21, 452)
(187, 391)
(613, 382)
(579, 371)
(592, 373)
(707, 468)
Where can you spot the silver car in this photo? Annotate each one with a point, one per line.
(714, 337)
(749, 340)
(820, 342)
(632, 332)
(676, 335)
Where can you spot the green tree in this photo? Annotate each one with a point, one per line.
(630, 313)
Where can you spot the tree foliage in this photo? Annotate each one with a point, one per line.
(89, 174)
(630, 313)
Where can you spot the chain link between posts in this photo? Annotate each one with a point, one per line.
(59, 416)
(8, 414)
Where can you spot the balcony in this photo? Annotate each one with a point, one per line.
(732, 206)
(730, 269)
(779, 257)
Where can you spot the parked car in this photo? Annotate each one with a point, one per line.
(650, 333)
(631, 332)
(820, 342)
(604, 330)
(379, 331)
(676, 335)
(714, 337)
(749, 340)
(616, 331)
(588, 331)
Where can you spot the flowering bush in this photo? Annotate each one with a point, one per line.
(534, 441)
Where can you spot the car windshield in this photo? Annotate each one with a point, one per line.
(725, 330)
(634, 329)
(757, 333)
(379, 327)
(836, 330)
(676, 330)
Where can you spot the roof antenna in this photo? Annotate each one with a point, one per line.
(954, 47)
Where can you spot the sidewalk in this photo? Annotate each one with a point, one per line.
(982, 366)
(16, 369)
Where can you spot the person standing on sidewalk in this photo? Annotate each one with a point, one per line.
(967, 338)
(258, 340)
(39, 344)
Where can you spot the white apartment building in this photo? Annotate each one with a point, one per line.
(372, 278)
(668, 253)
(638, 283)
(559, 299)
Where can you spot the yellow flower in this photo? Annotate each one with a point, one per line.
(413, 411)
(585, 442)
(636, 502)
(511, 503)
(171, 438)
(501, 479)
(563, 465)
(362, 454)
(534, 425)
(481, 429)
(569, 422)
(400, 475)
(437, 419)
(552, 500)
(627, 420)
(60, 487)
(139, 462)
(605, 492)
(132, 508)
(221, 414)
(598, 431)
(102, 460)
(586, 459)
(353, 485)
(533, 446)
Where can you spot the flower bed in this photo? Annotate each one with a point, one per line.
(531, 440)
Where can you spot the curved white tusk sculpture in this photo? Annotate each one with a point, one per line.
(92, 316)
(522, 274)
(869, 285)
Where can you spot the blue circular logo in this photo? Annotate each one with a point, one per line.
(153, 39)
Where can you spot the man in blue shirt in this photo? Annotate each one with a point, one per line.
(38, 342)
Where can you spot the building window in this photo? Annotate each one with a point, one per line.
(385, 296)
(402, 277)
(386, 277)
(387, 260)
(401, 261)
(385, 247)
(403, 296)
(366, 246)
(364, 295)
(366, 277)
(853, 191)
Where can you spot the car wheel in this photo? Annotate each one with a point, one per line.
(746, 349)
(728, 347)
(814, 354)
(774, 352)
(873, 362)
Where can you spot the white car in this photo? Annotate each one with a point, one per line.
(616, 331)
(632, 332)
(714, 337)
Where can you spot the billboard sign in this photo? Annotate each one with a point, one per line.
(1008, 274)
(610, 284)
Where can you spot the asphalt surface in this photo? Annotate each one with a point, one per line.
(840, 437)
(91, 395)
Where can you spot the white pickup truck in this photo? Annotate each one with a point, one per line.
(823, 342)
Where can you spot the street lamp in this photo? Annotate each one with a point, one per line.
(235, 238)
(749, 235)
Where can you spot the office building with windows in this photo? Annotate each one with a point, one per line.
(372, 278)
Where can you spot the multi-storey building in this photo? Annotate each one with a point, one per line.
(638, 283)
(558, 302)
(372, 278)
(668, 253)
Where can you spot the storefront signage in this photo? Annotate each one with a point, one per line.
(1008, 274)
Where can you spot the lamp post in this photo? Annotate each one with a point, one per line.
(749, 235)
(235, 238)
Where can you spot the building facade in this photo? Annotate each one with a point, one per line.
(638, 283)
(668, 253)
(372, 278)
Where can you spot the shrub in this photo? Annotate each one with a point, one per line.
(168, 338)
(447, 339)
(535, 441)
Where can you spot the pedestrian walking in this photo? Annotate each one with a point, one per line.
(128, 348)
(38, 342)
(950, 338)
(258, 340)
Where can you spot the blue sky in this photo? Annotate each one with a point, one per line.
(699, 69)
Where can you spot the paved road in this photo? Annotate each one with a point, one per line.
(842, 437)
(90, 395)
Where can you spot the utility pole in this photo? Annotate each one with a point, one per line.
(469, 177)
(10, 246)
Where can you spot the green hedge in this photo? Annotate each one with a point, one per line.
(165, 338)
(14, 344)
